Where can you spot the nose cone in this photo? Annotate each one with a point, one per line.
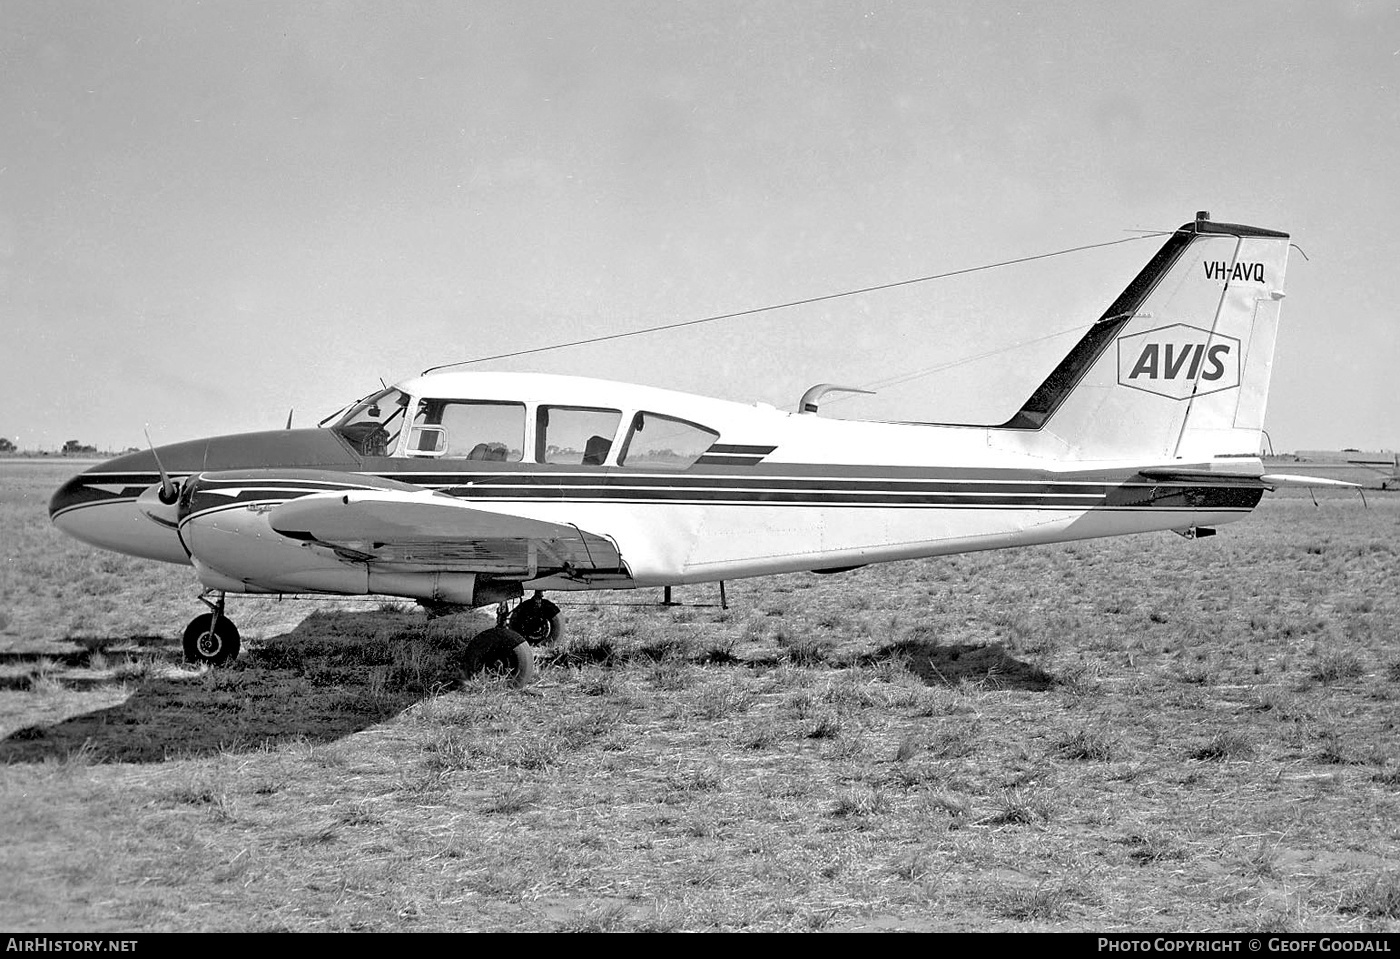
(71, 494)
(120, 480)
(124, 477)
(114, 506)
(101, 507)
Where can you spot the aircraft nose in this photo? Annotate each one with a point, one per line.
(122, 478)
(102, 508)
(72, 494)
(76, 506)
(74, 503)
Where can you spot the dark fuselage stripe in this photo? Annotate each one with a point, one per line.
(1143, 496)
(783, 473)
(728, 460)
(736, 490)
(1023, 507)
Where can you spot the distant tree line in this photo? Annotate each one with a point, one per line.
(70, 448)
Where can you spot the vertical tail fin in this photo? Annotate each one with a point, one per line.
(1178, 367)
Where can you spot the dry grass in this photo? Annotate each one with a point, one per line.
(1135, 734)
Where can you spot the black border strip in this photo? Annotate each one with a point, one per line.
(740, 448)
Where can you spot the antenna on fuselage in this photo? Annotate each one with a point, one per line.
(808, 403)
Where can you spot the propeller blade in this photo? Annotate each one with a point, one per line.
(169, 492)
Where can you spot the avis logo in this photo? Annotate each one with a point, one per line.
(1179, 361)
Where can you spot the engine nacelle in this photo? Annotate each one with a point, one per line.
(224, 525)
(237, 551)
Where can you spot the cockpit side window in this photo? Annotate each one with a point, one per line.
(469, 429)
(658, 442)
(575, 435)
(373, 425)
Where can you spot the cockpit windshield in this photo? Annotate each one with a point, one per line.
(373, 425)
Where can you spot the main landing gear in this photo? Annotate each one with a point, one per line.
(211, 638)
(538, 620)
(508, 646)
(501, 649)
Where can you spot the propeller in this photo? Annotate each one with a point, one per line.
(169, 492)
(158, 502)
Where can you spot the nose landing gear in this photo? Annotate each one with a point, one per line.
(211, 637)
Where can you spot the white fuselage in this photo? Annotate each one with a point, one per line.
(786, 492)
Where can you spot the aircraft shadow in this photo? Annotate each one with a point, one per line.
(939, 664)
(24, 670)
(335, 674)
(338, 673)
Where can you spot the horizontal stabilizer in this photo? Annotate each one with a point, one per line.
(1168, 474)
(1290, 479)
(1171, 474)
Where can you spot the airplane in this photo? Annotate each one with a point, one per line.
(472, 489)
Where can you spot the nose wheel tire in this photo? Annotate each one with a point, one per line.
(210, 641)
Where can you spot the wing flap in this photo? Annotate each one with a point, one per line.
(426, 530)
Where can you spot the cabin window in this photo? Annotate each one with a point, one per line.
(469, 429)
(658, 442)
(373, 426)
(575, 435)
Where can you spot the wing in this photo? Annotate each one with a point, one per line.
(428, 531)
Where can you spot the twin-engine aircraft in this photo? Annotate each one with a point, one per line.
(470, 489)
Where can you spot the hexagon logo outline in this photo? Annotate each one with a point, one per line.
(1179, 361)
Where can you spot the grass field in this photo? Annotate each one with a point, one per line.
(1137, 734)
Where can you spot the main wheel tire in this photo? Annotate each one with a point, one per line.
(501, 649)
(539, 621)
(215, 647)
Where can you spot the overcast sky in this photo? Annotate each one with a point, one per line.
(211, 213)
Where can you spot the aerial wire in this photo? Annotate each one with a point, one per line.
(929, 371)
(791, 303)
